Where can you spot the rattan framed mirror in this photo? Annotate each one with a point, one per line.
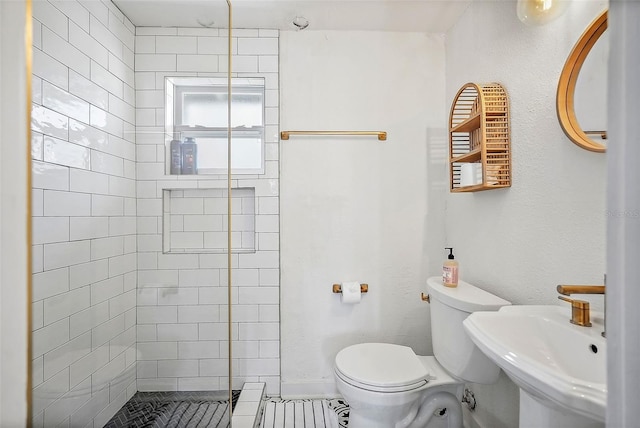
(565, 99)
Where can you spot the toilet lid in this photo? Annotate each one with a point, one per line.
(382, 365)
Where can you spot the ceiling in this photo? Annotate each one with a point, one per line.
(430, 16)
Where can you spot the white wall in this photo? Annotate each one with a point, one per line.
(182, 298)
(549, 227)
(84, 207)
(355, 208)
(13, 222)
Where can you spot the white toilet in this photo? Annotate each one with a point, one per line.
(389, 386)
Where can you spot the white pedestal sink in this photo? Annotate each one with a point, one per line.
(560, 367)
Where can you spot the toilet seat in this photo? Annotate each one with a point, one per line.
(381, 367)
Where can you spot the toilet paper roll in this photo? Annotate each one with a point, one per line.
(468, 174)
(351, 292)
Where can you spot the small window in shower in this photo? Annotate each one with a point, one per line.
(197, 125)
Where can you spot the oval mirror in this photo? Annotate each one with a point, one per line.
(586, 124)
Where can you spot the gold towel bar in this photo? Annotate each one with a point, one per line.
(382, 136)
(337, 288)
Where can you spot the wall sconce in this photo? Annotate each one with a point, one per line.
(540, 12)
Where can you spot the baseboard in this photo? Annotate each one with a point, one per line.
(310, 389)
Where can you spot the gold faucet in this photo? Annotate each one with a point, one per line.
(579, 308)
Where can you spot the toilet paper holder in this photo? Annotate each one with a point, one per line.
(337, 288)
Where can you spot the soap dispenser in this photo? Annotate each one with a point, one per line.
(450, 270)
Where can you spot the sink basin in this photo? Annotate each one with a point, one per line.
(558, 365)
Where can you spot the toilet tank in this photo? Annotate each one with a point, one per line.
(451, 346)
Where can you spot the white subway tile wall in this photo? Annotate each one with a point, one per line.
(84, 225)
(182, 298)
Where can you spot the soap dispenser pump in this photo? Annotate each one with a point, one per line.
(450, 270)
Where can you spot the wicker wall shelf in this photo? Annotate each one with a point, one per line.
(479, 139)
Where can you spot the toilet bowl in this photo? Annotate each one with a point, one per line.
(389, 386)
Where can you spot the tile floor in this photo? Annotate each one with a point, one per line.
(280, 413)
(210, 409)
(175, 410)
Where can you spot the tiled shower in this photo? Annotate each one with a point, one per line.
(182, 330)
(116, 307)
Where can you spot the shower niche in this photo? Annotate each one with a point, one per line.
(197, 221)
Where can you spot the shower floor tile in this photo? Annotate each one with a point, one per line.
(175, 410)
(280, 413)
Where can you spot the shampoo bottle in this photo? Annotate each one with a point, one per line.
(176, 157)
(189, 156)
(450, 270)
